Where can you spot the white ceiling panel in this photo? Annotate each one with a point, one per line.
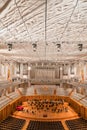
(36, 32)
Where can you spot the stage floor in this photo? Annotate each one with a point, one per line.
(42, 115)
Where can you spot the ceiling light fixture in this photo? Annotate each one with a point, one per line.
(58, 47)
(80, 47)
(9, 46)
(34, 46)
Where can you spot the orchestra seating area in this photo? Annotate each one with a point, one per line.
(45, 125)
(51, 105)
(77, 124)
(12, 123)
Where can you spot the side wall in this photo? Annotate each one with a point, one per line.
(10, 108)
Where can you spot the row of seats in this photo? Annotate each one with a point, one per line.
(12, 123)
(79, 97)
(44, 125)
(77, 124)
(84, 102)
(4, 100)
(13, 95)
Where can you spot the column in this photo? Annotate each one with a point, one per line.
(61, 75)
(15, 70)
(75, 68)
(2, 70)
(78, 71)
(10, 68)
(6, 71)
(69, 71)
(21, 70)
(61, 72)
(84, 71)
(29, 70)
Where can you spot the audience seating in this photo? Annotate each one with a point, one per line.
(84, 102)
(4, 100)
(77, 96)
(77, 124)
(44, 125)
(12, 123)
(13, 95)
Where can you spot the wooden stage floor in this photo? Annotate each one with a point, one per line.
(42, 115)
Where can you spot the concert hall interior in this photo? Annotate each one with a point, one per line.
(43, 64)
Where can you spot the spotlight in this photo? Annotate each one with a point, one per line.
(58, 46)
(9, 46)
(80, 47)
(34, 46)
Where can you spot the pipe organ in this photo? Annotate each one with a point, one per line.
(45, 73)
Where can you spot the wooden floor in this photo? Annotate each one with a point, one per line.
(50, 116)
(62, 116)
(39, 115)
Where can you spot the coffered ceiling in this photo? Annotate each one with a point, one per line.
(43, 30)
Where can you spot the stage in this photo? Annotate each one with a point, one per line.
(28, 113)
